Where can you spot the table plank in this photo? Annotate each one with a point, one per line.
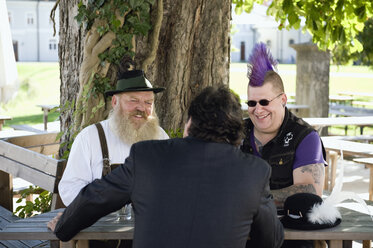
(334, 121)
(348, 147)
(3, 118)
(355, 226)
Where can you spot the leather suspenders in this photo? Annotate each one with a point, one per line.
(105, 152)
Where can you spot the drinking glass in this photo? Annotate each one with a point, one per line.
(125, 213)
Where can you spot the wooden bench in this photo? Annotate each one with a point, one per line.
(30, 158)
(362, 103)
(44, 143)
(26, 128)
(346, 110)
(26, 157)
(7, 217)
(350, 148)
(368, 162)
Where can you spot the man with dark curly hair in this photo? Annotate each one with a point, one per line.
(198, 191)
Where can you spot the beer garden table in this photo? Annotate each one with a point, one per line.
(356, 225)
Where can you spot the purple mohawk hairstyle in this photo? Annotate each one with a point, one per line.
(260, 62)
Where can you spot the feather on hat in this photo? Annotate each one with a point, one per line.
(260, 62)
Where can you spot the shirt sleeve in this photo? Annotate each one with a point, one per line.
(163, 134)
(309, 151)
(98, 199)
(78, 172)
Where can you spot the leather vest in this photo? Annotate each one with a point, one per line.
(280, 151)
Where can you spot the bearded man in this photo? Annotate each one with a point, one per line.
(132, 119)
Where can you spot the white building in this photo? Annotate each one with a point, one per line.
(258, 27)
(32, 30)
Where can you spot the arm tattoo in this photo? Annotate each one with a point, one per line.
(317, 171)
(280, 195)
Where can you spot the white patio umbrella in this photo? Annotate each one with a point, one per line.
(8, 69)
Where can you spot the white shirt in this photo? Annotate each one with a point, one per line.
(85, 160)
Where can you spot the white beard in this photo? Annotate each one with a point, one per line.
(123, 127)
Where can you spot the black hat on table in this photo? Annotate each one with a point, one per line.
(306, 211)
(131, 81)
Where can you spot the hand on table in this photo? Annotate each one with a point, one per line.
(52, 223)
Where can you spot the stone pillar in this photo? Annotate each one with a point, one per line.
(312, 81)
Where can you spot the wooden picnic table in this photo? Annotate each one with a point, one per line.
(356, 225)
(321, 122)
(347, 100)
(3, 118)
(46, 108)
(350, 148)
(368, 162)
(355, 94)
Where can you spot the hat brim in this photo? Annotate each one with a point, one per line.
(113, 92)
(300, 224)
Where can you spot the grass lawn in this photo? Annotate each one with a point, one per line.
(40, 84)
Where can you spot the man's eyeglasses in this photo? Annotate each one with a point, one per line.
(263, 102)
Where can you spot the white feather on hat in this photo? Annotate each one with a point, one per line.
(326, 212)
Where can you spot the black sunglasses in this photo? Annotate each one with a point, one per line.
(263, 102)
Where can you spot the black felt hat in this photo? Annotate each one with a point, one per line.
(133, 81)
(306, 211)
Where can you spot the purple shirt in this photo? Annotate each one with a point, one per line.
(309, 150)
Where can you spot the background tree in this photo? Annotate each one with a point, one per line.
(332, 23)
(181, 45)
(335, 26)
(364, 57)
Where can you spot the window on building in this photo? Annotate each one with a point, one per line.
(291, 42)
(269, 43)
(30, 19)
(52, 44)
(10, 18)
(242, 58)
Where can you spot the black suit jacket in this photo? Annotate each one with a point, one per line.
(185, 193)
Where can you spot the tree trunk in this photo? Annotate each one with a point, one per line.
(192, 53)
(312, 82)
(70, 55)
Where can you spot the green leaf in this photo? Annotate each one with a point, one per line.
(287, 6)
(297, 24)
(314, 26)
(132, 4)
(238, 10)
(342, 35)
(116, 23)
(248, 6)
(80, 3)
(359, 26)
(101, 30)
(293, 18)
(357, 46)
(99, 3)
(360, 13)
